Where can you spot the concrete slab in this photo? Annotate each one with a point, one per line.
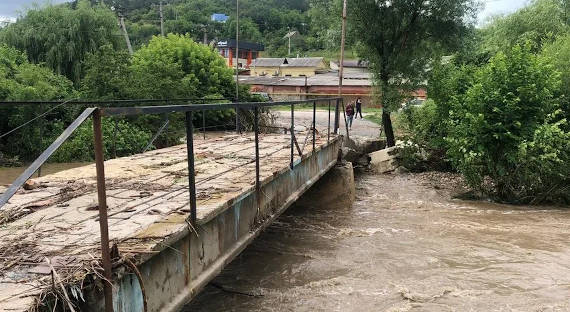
(148, 203)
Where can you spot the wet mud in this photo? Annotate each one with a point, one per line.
(404, 245)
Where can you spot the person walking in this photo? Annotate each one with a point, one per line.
(349, 114)
(359, 107)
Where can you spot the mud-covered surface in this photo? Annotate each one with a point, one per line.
(405, 245)
(148, 200)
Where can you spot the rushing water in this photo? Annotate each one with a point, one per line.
(401, 247)
(9, 174)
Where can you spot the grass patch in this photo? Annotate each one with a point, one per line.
(397, 122)
(375, 117)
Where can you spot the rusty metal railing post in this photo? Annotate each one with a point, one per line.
(191, 170)
(292, 135)
(103, 221)
(238, 130)
(329, 125)
(257, 171)
(345, 121)
(204, 123)
(314, 123)
(336, 116)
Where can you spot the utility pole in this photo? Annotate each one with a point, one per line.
(341, 67)
(161, 19)
(237, 64)
(289, 52)
(126, 34)
(342, 41)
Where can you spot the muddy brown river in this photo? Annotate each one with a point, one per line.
(402, 246)
(9, 174)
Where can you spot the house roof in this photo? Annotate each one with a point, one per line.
(329, 79)
(268, 62)
(304, 62)
(290, 62)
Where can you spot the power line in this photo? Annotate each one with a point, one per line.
(36, 118)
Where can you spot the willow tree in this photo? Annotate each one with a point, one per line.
(400, 39)
(61, 36)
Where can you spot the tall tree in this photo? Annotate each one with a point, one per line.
(540, 23)
(400, 38)
(61, 37)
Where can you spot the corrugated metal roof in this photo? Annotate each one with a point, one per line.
(330, 79)
(268, 62)
(305, 62)
(289, 62)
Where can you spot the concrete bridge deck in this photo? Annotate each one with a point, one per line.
(50, 243)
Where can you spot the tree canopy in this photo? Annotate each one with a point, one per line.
(61, 36)
(401, 38)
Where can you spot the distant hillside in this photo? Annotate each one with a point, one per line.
(317, 22)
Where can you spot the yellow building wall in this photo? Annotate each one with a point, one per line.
(259, 71)
(298, 71)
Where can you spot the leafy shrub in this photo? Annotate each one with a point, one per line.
(504, 130)
(428, 126)
(543, 174)
(129, 140)
(21, 81)
(425, 148)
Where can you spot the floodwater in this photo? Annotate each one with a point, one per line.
(402, 246)
(9, 174)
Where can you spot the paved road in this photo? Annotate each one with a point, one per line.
(360, 127)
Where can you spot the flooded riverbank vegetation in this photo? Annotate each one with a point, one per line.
(498, 112)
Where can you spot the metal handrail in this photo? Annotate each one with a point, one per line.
(140, 110)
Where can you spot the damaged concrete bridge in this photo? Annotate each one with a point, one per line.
(147, 232)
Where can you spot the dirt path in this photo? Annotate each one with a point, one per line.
(360, 127)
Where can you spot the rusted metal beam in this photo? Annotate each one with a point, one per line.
(329, 124)
(191, 167)
(344, 114)
(103, 220)
(299, 150)
(314, 123)
(292, 135)
(257, 170)
(139, 110)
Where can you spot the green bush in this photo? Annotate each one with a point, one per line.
(22, 81)
(428, 126)
(543, 173)
(505, 126)
(126, 140)
(425, 147)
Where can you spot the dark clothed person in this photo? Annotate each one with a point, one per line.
(359, 108)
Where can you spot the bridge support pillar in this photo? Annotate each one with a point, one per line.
(334, 188)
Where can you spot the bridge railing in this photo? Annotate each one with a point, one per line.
(109, 109)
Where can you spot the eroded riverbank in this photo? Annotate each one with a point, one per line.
(403, 246)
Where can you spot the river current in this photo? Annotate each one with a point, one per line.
(402, 246)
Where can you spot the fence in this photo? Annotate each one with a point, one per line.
(97, 113)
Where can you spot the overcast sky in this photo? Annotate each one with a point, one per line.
(10, 8)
